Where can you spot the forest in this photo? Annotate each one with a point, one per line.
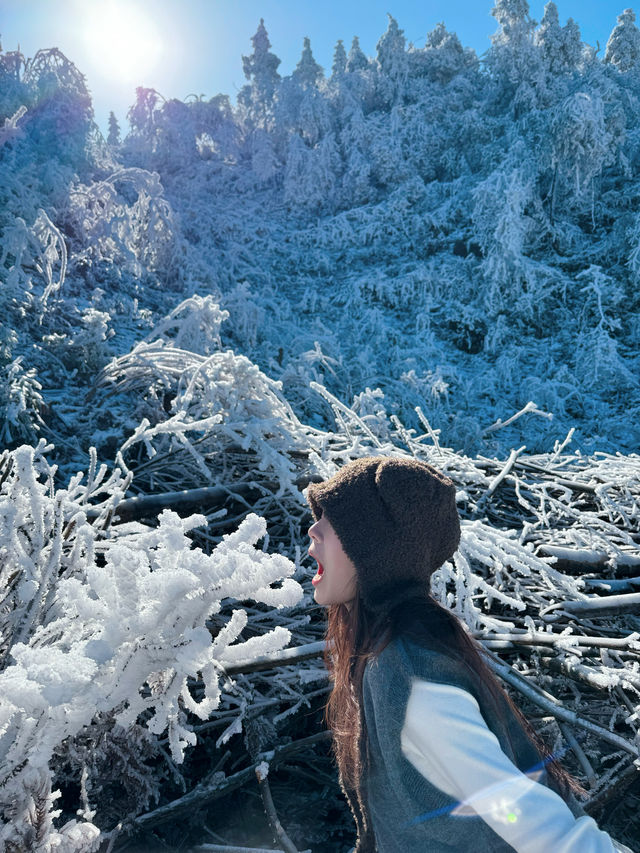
(421, 253)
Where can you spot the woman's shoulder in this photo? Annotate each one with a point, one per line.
(406, 659)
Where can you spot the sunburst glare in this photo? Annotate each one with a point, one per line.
(122, 41)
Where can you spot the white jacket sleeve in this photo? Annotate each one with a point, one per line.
(447, 740)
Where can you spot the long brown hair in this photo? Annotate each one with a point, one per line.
(354, 636)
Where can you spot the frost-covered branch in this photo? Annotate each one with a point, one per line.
(117, 632)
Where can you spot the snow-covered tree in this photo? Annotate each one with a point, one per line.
(263, 156)
(114, 130)
(561, 47)
(442, 57)
(307, 72)
(503, 228)
(513, 60)
(581, 143)
(339, 65)
(357, 59)
(261, 69)
(393, 65)
(623, 46)
(13, 91)
(142, 114)
(312, 174)
(61, 113)
(356, 181)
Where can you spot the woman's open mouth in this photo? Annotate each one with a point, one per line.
(318, 575)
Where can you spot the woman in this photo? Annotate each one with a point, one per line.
(432, 753)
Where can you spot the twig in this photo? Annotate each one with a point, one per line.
(339, 407)
(503, 473)
(113, 835)
(579, 753)
(223, 848)
(613, 789)
(573, 485)
(529, 408)
(430, 431)
(270, 809)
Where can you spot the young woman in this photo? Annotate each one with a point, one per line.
(432, 753)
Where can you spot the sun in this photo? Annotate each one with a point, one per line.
(122, 41)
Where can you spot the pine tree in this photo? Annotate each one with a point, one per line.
(302, 107)
(141, 115)
(261, 69)
(513, 60)
(393, 63)
(307, 72)
(114, 130)
(443, 56)
(356, 60)
(560, 47)
(572, 44)
(511, 43)
(391, 49)
(512, 15)
(339, 60)
(623, 47)
(313, 118)
(354, 143)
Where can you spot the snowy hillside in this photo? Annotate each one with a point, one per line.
(461, 235)
(420, 252)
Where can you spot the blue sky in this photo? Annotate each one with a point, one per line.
(181, 47)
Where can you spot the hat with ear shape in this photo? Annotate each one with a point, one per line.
(397, 521)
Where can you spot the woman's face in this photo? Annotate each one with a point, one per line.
(335, 580)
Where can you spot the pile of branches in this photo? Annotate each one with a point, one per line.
(547, 578)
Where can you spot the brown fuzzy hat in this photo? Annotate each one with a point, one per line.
(397, 521)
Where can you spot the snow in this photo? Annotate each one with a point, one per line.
(423, 250)
(262, 770)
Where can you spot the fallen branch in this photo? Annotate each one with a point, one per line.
(585, 557)
(609, 605)
(612, 584)
(521, 464)
(283, 658)
(597, 680)
(143, 506)
(564, 641)
(553, 706)
(307, 651)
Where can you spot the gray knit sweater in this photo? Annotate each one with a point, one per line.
(406, 812)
